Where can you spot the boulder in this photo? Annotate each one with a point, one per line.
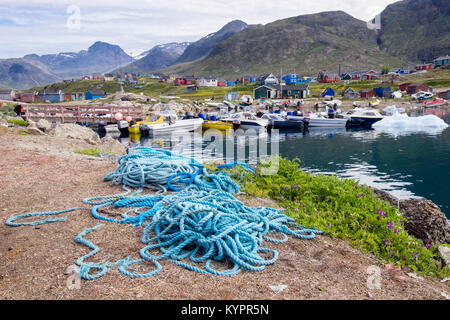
(33, 129)
(112, 145)
(425, 221)
(74, 131)
(4, 123)
(445, 254)
(44, 125)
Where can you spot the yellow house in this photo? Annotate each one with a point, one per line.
(109, 77)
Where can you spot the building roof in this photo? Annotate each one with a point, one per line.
(5, 91)
(97, 92)
(288, 87)
(442, 58)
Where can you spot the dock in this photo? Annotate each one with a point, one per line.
(81, 114)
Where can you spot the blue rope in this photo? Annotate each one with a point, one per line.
(201, 223)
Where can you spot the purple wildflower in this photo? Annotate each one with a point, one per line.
(387, 242)
(296, 209)
(360, 195)
(396, 231)
(382, 213)
(328, 225)
(392, 253)
(286, 188)
(415, 255)
(390, 225)
(428, 246)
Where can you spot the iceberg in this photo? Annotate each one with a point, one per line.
(402, 124)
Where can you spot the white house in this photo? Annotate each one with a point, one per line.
(6, 94)
(269, 79)
(207, 82)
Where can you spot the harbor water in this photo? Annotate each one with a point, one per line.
(408, 165)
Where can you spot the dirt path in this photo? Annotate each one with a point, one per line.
(41, 174)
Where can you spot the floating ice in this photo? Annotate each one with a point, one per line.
(401, 124)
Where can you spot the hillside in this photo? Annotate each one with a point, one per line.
(416, 29)
(158, 57)
(306, 44)
(204, 46)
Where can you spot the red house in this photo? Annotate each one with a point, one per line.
(425, 66)
(416, 87)
(179, 82)
(404, 86)
(325, 77)
(67, 97)
(221, 83)
(367, 94)
(28, 97)
(370, 75)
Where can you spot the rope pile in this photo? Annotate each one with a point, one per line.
(203, 223)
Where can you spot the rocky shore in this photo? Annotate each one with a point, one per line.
(42, 172)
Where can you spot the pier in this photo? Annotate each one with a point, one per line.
(84, 114)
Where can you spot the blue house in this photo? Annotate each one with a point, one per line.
(291, 78)
(231, 83)
(328, 92)
(442, 61)
(95, 94)
(382, 91)
(53, 96)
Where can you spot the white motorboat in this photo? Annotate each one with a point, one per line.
(246, 120)
(365, 118)
(317, 120)
(175, 127)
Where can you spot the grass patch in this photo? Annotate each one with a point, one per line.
(91, 152)
(22, 123)
(343, 209)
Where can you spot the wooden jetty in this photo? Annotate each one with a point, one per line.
(83, 114)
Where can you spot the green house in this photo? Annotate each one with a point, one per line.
(442, 61)
(281, 91)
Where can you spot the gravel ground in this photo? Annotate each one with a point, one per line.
(42, 173)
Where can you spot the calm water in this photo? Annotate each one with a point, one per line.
(407, 165)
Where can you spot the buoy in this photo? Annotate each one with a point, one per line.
(118, 116)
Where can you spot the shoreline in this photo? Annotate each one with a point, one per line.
(46, 170)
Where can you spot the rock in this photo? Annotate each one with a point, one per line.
(112, 145)
(445, 254)
(44, 125)
(3, 123)
(278, 288)
(369, 296)
(383, 195)
(74, 131)
(425, 221)
(108, 156)
(33, 129)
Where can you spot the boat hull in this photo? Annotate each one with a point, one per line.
(178, 126)
(363, 121)
(217, 125)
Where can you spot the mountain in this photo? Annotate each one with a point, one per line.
(19, 74)
(100, 57)
(304, 44)
(158, 57)
(33, 70)
(416, 29)
(204, 46)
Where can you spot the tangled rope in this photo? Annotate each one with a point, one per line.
(161, 170)
(204, 222)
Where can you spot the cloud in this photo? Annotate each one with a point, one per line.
(40, 26)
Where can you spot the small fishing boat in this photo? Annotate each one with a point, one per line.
(278, 122)
(178, 126)
(217, 125)
(134, 129)
(365, 118)
(435, 102)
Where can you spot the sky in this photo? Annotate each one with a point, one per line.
(52, 26)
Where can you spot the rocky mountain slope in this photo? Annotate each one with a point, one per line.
(204, 46)
(306, 44)
(416, 29)
(158, 57)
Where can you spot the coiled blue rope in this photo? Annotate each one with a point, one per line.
(203, 222)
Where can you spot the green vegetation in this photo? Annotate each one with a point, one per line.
(91, 152)
(22, 123)
(83, 86)
(343, 209)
